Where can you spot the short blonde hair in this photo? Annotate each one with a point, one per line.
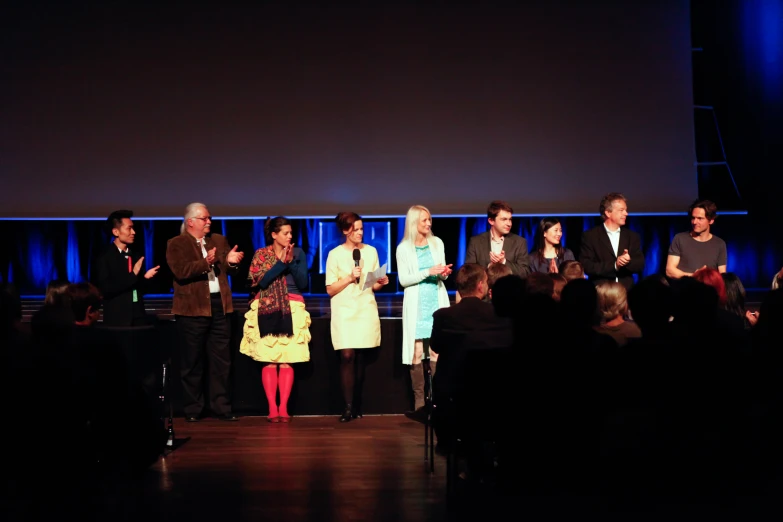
(612, 300)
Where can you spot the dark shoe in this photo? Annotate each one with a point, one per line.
(347, 414)
(356, 413)
(228, 417)
(191, 418)
(419, 415)
(285, 420)
(273, 419)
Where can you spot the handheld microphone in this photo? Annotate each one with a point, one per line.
(357, 256)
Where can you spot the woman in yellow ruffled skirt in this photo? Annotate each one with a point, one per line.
(277, 325)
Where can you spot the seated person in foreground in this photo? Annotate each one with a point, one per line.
(613, 305)
(777, 281)
(469, 325)
(494, 272)
(572, 270)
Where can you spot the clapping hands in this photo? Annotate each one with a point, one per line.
(497, 258)
(287, 254)
(623, 259)
(149, 274)
(234, 257)
(441, 270)
(211, 256)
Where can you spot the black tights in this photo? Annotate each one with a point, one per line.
(352, 374)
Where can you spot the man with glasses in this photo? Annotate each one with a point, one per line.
(200, 262)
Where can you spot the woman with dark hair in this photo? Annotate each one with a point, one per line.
(355, 324)
(277, 324)
(735, 299)
(548, 253)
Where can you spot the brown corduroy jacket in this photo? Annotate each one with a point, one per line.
(191, 274)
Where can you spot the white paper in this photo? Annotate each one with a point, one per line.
(372, 277)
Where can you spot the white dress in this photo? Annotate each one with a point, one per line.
(355, 322)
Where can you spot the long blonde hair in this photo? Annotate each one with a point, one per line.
(412, 224)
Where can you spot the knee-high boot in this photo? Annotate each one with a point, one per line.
(417, 383)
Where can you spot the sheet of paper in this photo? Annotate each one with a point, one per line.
(372, 277)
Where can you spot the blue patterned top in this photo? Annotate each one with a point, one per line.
(428, 294)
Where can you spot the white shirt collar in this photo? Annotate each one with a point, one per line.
(611, 231)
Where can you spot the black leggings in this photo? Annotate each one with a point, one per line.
(352, 374)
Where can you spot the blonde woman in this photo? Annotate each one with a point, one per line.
(613, 305)
(421, 269)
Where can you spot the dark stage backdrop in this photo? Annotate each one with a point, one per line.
(303, 111)
(34, 252)
(316, 389)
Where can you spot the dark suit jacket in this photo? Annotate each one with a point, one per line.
(469, 325)
(191, 274)
(598, 258)
(514, 246)
(117, 284)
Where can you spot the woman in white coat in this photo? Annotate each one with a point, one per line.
(421, 269)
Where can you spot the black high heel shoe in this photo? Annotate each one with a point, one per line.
(347, 414)
(357, 410)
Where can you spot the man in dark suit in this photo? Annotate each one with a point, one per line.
(610, 251)
(467, 326)
(499, 245)
(200, 262)
(120, 278)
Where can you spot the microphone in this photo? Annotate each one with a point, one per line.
(357, 255)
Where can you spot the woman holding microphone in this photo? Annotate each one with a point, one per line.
(355, 325)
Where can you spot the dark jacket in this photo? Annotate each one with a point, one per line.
(117, 284)
(469, 325)
(598, 258)
(191, 274)
(514, 246)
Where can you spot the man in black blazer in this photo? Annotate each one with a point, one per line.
(499, 245)
(610, 252)
(119, 275)
(467, 326)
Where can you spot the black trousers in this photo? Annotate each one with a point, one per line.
(210, 337)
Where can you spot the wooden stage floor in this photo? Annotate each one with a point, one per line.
(316, 469)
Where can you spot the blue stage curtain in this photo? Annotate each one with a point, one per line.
(36, 252)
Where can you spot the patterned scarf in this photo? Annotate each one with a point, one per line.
(274, 308)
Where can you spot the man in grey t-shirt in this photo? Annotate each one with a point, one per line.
(691, 251)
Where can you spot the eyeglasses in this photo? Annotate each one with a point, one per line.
(208, 218)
